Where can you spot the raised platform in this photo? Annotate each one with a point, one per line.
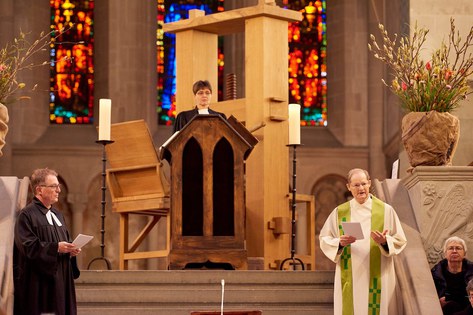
(181, 292)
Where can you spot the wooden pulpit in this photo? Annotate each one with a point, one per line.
(137, 186)
(207, 159)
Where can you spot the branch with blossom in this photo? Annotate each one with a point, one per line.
(438, 84)
(16, 57)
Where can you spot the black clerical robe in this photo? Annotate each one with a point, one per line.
(184, 117)
(44, 280)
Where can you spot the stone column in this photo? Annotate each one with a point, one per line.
(78, 202)
(125, 59)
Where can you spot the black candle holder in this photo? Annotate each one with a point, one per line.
(293, 260)
(104, 188)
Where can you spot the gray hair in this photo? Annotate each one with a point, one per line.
(39, 176)
(469, 287)
(357, 170)
(454, 239)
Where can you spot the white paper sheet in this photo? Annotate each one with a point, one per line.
(82, 239)
(353, 229)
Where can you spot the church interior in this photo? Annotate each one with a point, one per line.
(358, 125)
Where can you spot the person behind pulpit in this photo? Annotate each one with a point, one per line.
(44, 265)
(202, 95)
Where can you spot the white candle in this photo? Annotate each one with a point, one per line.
(105, 119)
(294, 124)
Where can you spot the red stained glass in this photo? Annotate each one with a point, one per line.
(71, 96)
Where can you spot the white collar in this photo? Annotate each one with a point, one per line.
(50, 216)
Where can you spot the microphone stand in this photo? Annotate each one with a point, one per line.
(293, 260)
(104, 188)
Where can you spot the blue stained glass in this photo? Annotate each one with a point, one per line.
(307, 65)
(167, 76)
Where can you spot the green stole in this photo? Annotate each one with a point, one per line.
(377, 224)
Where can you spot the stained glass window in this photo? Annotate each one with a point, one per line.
(71, 95)
(307, 67)
(307, 61)
(171, 11)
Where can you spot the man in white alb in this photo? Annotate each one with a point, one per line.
(364, 275)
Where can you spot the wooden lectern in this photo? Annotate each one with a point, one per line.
(207, 159)
(137, 186)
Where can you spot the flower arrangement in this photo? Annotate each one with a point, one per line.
(16, 57)
(438, 84)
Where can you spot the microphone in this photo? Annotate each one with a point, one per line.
(223, 293)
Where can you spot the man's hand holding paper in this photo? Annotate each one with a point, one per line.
(353, 229)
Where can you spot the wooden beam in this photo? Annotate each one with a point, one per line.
(233, 21)
(144, 232)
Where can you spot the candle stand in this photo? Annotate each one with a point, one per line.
(104, 188)
(293, 260)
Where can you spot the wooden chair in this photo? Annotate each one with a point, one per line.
(137, 186)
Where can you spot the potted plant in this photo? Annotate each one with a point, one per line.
(14, 58)
(428, 90)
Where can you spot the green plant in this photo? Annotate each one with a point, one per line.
(16, 57)
(437, 84)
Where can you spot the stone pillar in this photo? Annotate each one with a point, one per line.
(377, 166)
(30, 17)
(125, 59)
(443, 207)
(78, 202)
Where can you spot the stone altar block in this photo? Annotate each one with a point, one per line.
(442, 199)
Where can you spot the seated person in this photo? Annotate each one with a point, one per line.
(469, 309)
(202, 95)
(451, 276)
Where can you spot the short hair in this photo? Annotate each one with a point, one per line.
(201, 84)
(39, 176)
(356, 170)
(469, 287)
(455, 239)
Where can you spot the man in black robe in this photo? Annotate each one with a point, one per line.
(202, 94)
(44, 257)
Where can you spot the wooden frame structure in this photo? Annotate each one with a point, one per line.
(309, 220)
(265, 105)
(137, 186)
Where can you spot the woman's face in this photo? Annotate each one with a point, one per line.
(455, 252)
(202, 98)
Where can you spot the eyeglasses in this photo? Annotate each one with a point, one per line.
(200, 93)
(54, 187)
(452, 248)
(359, 185)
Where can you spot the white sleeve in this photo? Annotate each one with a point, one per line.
(330, 237)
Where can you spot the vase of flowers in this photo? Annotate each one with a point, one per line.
(14, 58)
(428, 90)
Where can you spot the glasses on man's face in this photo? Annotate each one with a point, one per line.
(359, 185)
(469, 297)
(201, 93)
(452, 248)
(53, 187)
